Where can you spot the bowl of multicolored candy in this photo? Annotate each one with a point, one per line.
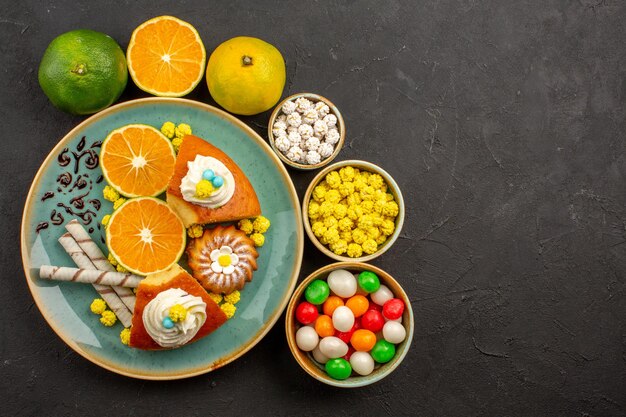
(349, 324)
(353, 211)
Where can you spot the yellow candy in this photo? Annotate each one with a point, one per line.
(118, 203)
(333, 179)
(367, 206)
(258, 239)
(377, 219)
(105, 220)
(375, 181)
(110, 193)
(215, 297)
(346, 235)
(195, 230)
(168, 129)
(346, 189)
(369, 246)
(120, 268)
(367, 193)
(345, 224)
(319, 192)
(314, 210)
(339, 247)
(125, 336)
(331, 236)
(182, 130)
(98, 305)
(333, 196)
(359, 183)
(353, 199)
(176, 142)
(245, 226)
(204, 189)
(318, 229)
(390, 209)
(387, 227)
(381, 239)
(359, 236)
(112, 260)
(228, 309)
(330, 221)
(365, 222)
(178, 313)
(326, 208)
(108, 318)
(354, 250)
(340, 211)
(233, 297)
(347, 173)
(389, 197)
(373, 233)
(261, 224)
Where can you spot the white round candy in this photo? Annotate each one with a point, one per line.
(289, 107)
(394, 332)
(332, 136)
(305, 131)
(319, 356)
(382, 295)
(330, 120)
(307, 338)
(294, 119)
(325, 149)
(343, 319)
(282, 143)
(313, 157)
(362, 363)
(333, 347)
(342, 283)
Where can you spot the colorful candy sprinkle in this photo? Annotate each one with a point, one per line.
(306, 313)
(317, 292)
(338, 368)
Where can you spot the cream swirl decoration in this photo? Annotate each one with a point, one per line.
(196, 168)
(182, 331)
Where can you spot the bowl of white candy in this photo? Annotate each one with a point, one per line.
(306, 131)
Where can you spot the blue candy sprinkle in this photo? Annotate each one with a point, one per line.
(168, 323)
(208, 174)
(217, 181)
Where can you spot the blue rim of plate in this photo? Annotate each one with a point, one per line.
(27, 226)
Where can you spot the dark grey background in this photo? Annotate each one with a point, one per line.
(503, 123)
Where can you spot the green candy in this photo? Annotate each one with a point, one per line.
(317, 292)
(338, 368)
(369, 282)
(383, 351)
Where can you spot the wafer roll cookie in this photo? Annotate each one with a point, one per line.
(106, 292)
(92, 250)
(89, 276)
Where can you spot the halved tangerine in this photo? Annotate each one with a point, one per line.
(166, 57)
(145, 235)
(137, 160)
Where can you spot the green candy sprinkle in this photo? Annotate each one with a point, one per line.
(317, 292)
(338, 368)
(369, 282)
(383, 351)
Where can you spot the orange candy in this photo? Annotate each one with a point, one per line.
(358, 304)
(363, 340)
(331, 304)
(324, 326)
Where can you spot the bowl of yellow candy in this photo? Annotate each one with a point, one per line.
(353, 211)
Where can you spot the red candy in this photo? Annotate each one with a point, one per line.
(306, 313)
(393, 309)
(350, 352)
(373, 320)
(376, 307)
(346, 336)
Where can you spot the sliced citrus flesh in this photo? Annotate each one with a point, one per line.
(166, 57)
(137, 160)
(145, 235)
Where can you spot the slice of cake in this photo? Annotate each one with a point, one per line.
(171, 310)
(208, 186)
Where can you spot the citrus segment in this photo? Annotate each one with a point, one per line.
(137, 160)
(166, 57)
(145, 235)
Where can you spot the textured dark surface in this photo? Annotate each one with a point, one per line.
(502, 121)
